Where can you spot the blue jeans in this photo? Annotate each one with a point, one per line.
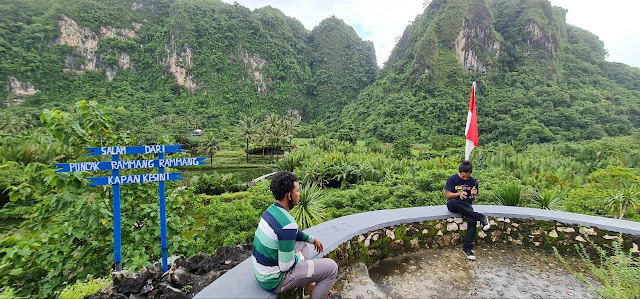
(465, 208)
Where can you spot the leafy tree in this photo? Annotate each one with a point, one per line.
(402, 148)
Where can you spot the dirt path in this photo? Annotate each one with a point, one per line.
(444, 273)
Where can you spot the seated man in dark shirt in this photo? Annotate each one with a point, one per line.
(461, 191)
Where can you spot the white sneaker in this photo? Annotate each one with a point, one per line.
(469, 255)
(487, 225)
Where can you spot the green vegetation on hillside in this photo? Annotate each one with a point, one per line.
(239, 62)
(548, 81)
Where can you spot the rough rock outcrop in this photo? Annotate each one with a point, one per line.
(255, 65)
(82, 39)
(473, 40)
(121, 33)
(537, 38)
(184, 278)
(178, 60)
(85, 44)
(18, 88)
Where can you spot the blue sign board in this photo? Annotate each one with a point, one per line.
(135, 179)
(130, 150)
(128, 164)
(115, 180)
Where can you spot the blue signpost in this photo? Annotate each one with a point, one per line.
(115, 180)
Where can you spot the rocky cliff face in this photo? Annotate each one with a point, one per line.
(537, 38)
(83, 40)
(471, 42)
(178, 61)
(18, 91)
(254, 65)
(85, 44)
(20, 88)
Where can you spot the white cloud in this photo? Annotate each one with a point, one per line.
(381, 21)
(614, 21)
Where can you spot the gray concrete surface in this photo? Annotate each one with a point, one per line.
(239, 282)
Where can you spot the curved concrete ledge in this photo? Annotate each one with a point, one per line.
(240, 283)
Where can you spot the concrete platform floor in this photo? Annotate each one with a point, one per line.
(499, 272)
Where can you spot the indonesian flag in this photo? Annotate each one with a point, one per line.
(472, 125)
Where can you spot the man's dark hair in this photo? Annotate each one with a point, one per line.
(282, 183)
(465, 167)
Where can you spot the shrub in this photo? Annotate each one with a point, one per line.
(82, 289)
(509, 195)
(309, 210)
(548, 199)
(402, 148)
(215, 184)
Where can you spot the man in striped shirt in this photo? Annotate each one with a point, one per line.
(280, 249)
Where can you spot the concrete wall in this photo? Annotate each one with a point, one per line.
(351, 238)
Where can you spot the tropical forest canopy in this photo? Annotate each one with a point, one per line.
(168, 67)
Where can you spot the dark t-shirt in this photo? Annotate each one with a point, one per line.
(455, 184)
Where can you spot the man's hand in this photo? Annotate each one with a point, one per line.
(318, 245)
(474, 191)
(463, 195)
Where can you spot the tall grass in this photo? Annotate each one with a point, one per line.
(618, 271)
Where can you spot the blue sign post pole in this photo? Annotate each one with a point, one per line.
(117, 251)
(163, 219)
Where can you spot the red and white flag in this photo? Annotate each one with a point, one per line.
(471, 132)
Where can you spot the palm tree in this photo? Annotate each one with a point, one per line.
(273, 121)
(275, 131)
(210, 144)
(263, 136)
(247, 130)
(624, 199)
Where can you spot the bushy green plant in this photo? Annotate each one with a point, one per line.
(431, 180)
(509, 195)
(289, 162)
(402, 148)
(8, 293)
(547, 199)
(617, 269)
(309, 210)
(373, 145)
(347, 136)
(82, 289)
(69, 231)
(322, 142)
(226, 224)
(215, 184)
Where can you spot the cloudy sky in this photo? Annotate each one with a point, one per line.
(381, 21)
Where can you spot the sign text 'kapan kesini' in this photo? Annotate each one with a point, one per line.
(135, 179)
